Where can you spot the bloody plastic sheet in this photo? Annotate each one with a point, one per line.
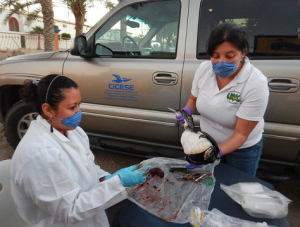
(164, 196)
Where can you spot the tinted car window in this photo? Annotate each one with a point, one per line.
(273, 26)
(147, 30)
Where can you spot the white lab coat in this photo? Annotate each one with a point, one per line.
(55, 182)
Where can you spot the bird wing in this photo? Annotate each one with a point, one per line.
(118, 78)
(192, 144)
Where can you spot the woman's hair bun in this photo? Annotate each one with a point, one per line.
(28, 92)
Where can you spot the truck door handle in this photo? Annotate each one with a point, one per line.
(165, 78)
(289, 85)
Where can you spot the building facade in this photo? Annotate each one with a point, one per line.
(16, 23)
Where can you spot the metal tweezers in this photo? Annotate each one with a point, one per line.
(196, 176)
(201, 178)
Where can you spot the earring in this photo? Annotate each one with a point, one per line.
(51, 127)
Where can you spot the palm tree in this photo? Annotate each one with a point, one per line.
(48, 19)
(109, 4)
(78, 8)
(16, 6)
(37, 30)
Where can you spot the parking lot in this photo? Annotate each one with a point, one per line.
(112, 162)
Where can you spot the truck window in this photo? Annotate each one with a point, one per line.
(273, 26)
(141, 30)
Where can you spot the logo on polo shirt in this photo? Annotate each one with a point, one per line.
(234, 97)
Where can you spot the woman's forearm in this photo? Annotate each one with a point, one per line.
(243, 129)
(232, 143)
(191, 103)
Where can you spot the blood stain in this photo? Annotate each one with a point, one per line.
(156, 172)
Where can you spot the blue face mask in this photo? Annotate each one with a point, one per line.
(224, 69)
(72, 121)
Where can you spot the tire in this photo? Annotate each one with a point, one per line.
(17, 121)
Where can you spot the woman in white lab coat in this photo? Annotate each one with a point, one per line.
(54, 179)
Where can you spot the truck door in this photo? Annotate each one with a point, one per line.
(274, 40)
(134, 74)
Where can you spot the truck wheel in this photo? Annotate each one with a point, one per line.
(17, 121)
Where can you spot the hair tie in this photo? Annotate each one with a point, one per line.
(35, 82)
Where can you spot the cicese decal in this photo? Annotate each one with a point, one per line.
(120, 89)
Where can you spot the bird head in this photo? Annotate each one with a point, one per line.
(188, 121)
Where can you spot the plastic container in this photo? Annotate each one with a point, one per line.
(216, 218)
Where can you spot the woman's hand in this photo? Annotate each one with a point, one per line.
(130, 168)
(180, 118)
(130, 178)
(190, 107)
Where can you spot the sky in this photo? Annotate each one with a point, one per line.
(93, 14)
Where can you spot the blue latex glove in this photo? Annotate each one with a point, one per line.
(130, 178)
(180, 118)
(131, 168)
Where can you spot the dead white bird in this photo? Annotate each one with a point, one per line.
(196, 143)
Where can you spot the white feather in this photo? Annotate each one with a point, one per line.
(192, 144)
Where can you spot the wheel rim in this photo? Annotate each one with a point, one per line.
(24, 123)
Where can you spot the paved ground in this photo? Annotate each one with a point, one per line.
(113, 162)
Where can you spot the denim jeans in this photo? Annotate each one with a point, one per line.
(246, 159)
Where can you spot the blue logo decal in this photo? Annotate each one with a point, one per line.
(117, 90)
(119, 80)
(119, 86)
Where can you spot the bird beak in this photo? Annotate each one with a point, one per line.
(174, 111)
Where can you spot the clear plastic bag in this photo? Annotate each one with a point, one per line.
(216, 218)
(166, 197)
(257, 200)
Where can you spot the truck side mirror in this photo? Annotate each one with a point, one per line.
(80, 47)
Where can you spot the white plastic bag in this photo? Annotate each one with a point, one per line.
(257, 200)
(168, 198)
(216, 218)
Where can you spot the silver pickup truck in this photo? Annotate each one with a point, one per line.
(140, 59)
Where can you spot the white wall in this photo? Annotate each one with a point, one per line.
(64, 26)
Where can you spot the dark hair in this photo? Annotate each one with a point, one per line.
(52, 84)
(227, 32)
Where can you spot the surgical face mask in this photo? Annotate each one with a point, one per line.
(224, 69)
(72, 121)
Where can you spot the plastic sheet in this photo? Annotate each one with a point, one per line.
(164, 196)
(257, 200)
(216, 218)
